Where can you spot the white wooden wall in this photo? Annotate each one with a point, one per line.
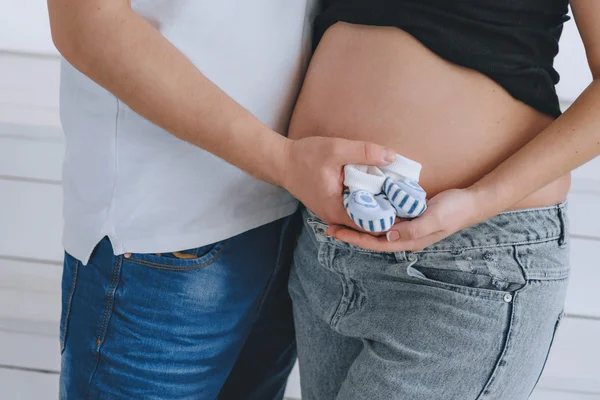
(24, 27)
(31, 148)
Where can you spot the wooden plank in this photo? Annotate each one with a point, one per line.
(583, 297)
(31, 159)
(30, 81)
(30, 291)
(22, 115)
(574, 363)
(26, 350)
(584, 214)
(29, 89)
(28, 385)
(571, 63)
(25, 27)
(30, 306)
(292, 390)
(30, 220)
(32, 131)
(30, 276)
(561, 395)
(588, 172)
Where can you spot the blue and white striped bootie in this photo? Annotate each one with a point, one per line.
(402, 188)
(364, 202)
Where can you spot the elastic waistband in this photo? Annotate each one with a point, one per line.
(528, 226)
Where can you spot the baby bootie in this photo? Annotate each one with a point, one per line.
(364, 202)
(402, 188)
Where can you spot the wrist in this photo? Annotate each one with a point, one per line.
(283, 162)
(489, 199)
(274, 155)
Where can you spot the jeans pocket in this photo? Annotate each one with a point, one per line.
(490, 273)
(69, 284)
(197, 258)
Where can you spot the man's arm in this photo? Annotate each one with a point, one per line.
(118, 49)
(570, 141)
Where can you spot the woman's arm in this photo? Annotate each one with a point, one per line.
(114, 46)
(572, 140)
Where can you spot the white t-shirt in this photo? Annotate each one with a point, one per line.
(150, 192)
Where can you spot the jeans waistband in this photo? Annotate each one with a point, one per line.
(527, 226)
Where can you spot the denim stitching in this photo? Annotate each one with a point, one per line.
(342, 245)
(561, 274)
(106, 317)
(357, 297)
(435, 249)
(343, 304)
(546, 208)
(312, 220)
(328, 253)
(447, 249)
(110, 301)
(479, 293)
(553, 278)
(501, 362)
(69, 302)
(207, 263)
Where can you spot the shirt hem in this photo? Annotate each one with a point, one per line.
(166, 243)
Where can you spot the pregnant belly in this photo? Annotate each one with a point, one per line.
(380, 84)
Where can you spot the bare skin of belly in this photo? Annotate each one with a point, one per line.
(380, 84)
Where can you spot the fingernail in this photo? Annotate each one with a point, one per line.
(392, 236)
(389, 155)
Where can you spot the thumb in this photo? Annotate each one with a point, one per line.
(363, 153)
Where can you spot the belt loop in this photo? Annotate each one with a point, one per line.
(562, 240)
(400, 256)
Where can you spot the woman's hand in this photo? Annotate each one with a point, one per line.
(446, 213)
(314, 172)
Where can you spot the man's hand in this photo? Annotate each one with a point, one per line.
(446, 213)
(314, 172)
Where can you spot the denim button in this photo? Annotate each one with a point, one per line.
(412, 257)
(508, 297)
(127, 255)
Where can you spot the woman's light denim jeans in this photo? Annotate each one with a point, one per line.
(471, 317)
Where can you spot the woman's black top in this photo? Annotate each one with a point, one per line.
(513, 42)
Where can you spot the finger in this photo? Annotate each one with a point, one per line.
(334, 228)
(342, 218)
(339, 217)
(337, 213)
(424, 242)
(381, 244)
(363, 153)
(369, 242)
(417, 228)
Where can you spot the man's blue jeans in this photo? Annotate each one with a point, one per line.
(208, 323)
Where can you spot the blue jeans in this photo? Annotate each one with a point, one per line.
(470, 317)
(208, 323)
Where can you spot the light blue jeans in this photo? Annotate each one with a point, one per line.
(471, 317)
